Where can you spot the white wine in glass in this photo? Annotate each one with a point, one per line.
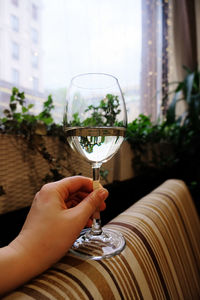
(95, 122)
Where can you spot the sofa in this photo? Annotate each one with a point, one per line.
(161, 259)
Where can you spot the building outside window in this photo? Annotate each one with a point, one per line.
(15, 77)
(15, 2)
(101, 36)
(93, 36)
(35, 84)
(20, 27)
(15, 50)
(34, 59)
(14, 23)
(34, 11)
(34, 35)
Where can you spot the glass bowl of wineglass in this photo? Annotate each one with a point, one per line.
(95, 122)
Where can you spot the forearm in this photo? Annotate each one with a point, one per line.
(16, 268)
(23, 259)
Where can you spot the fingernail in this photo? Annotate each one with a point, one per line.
(103, 193)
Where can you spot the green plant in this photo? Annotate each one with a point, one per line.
(174, 143)
(187, 91)
(19, 120)
(101, 116)
(146, 139)
(104, 114)
(187, 142)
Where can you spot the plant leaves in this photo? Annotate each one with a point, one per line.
(24, 109)
(171, 111)
(13, 107)
(189, 85)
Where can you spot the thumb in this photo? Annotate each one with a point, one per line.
(90, 204)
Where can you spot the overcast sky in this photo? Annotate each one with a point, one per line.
(91, 36)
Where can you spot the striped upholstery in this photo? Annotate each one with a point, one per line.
(160, 261)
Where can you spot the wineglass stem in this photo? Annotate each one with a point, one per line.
(96, 225)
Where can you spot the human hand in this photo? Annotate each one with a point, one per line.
(58, 213)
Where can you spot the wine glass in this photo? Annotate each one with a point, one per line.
(95, 121)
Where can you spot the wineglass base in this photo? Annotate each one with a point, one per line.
(96, 247)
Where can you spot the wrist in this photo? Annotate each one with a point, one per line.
(18, 265)
(13, 268)
(29, 255)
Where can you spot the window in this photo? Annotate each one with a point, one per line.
(93, 36)
(35, 84)
(15, 2)
(34, 59)
(34, 11)
(34, 35)
(15, 23)
(15, 50)
(15, 77)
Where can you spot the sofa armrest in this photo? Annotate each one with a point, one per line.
(160, 260)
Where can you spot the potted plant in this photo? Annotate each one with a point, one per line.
(171, 146)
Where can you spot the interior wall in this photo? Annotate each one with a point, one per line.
(184, 36)
(184, 42)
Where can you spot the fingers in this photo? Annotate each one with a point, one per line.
(73, 201)
(103, 206)
(76, 183)
(78, 197)
(83, 211)
(90, 221)
(67, 186)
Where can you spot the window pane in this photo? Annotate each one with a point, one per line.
(34, 59)
(35, 84)
(15, 77)
(15, 50)
(93, 36)
(14, 23)
(34, 12)
(34, 35)
(71, 37)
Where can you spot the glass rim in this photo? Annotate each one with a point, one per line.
(92, 73)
